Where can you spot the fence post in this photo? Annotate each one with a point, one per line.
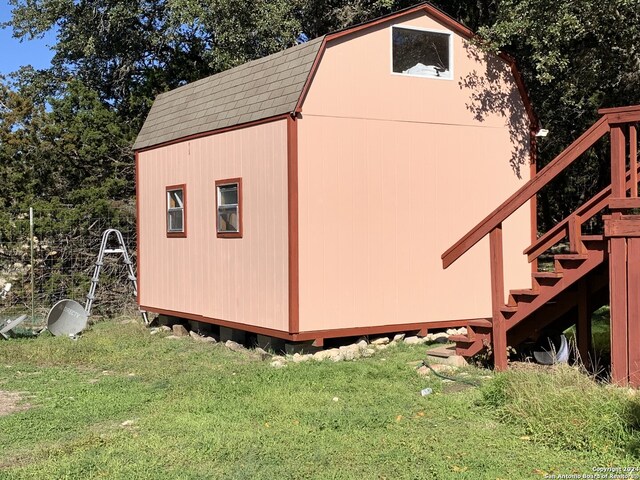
(33, 283)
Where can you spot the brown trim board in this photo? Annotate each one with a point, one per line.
(208, 133)
(229, 181)
(169, 188)
(137, 182)
(315, 334)
(292, 206)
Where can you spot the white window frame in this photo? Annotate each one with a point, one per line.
(450, 76)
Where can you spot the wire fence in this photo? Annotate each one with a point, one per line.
(45, 258)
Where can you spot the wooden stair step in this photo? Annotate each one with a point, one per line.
(527, 292)
(480, 322)
(592, 238)
(571, 256)
(461, 339)
(508, 309)
(547, 275)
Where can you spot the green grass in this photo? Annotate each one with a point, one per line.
(202, 411)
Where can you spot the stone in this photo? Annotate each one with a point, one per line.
(127, 423)
(278, 364)
(153, 331)
(180, 331)
(399, 337)
(234, 346)
(297, 358)
(453, 360)
(362, 344)
(413, 341)
(382, 346)
(262, 354)
(322, 355)
(423, 371)
(350, 352)
(380, 341)
(165, 328)
(443, 351)
(202, 338)
(368, 352)
(440, 337)
(336, 355)
(172, 337)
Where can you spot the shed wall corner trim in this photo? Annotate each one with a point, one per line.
(292, 180)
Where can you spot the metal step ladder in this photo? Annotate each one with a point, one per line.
(122, 249)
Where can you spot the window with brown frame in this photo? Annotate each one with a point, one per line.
(176, 211)
(229, 208)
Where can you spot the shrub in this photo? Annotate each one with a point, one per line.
(564, 408)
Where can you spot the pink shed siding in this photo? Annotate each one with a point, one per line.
(393, 170)
(241, 280)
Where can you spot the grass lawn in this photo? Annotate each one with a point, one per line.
(120, 403)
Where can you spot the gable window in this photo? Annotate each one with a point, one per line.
(229, 208)
(176, 211)
(422, 53)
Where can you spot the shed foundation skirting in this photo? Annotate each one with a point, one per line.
(422, 328)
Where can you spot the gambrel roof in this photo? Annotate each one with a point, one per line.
(264, 88)
(259, 89)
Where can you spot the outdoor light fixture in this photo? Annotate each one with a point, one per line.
(543, 132)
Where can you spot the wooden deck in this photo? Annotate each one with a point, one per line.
(593, 264)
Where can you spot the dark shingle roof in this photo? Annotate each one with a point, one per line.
(258, 89)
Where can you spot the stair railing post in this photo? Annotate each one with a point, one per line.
(575, 234)
(633, 159)
(499, 332)
(618, 266)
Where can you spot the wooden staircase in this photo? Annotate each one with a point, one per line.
(547, 287)
(595, 270)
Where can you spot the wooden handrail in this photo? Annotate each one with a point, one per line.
(527, 191)
(559, 231)
(587, 210)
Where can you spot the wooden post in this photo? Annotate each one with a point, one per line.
(633, 159)
(575, 234)
(633, 315)
(499, 332)
(618, 267)
(618, 162)
(583, 326)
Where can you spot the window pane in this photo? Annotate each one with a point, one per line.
(175, 198)
(421, 53)
(228, 219)
(229, 194)
(175, 220)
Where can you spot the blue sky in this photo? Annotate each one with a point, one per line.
(14, 54)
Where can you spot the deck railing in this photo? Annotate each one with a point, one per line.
(620, 123)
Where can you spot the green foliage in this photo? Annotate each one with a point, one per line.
(66, 131)
(565, 409)
(575, 57)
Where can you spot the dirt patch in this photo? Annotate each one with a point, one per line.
(12, 402)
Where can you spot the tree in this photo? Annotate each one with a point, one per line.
(575, 57)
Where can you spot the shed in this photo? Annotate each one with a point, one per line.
(309, 194)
